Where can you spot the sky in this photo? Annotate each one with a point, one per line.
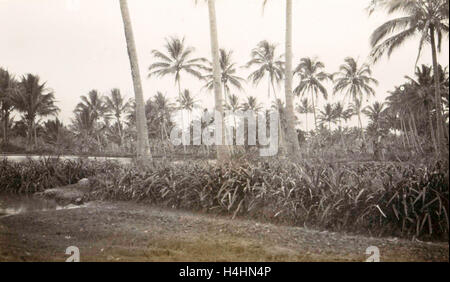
(79, 45)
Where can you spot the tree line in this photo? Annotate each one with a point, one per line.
(353, 81)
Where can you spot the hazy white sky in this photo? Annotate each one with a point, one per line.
(79, 45)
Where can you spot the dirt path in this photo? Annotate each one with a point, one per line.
(135, 232)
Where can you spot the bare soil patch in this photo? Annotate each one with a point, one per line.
(105, 231)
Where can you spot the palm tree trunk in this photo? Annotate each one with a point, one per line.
(222, 152)
(433, 137)
(306, 121)
(291, 141)
(314, 110)
(437, 97)
(405, 132)
(143, 148)
(361, 127)
(416, 134)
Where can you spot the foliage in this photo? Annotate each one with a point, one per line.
(376, 199)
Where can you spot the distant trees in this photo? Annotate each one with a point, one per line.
(8, 87)
(424, 19)
(312, 76)
(33, 100)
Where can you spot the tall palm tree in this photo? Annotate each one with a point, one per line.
(143, 148)
(8, 86)
(222, 151)
(176, 61)
(33, 100)
(312, 76)
(427, 18)
(117, 105)
(305, 108)
(355, 82)
(291, 146)
(268, 64)
(228, 78)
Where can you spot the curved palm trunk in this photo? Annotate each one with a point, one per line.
(143, 148)
(440, 142)
(222, 152)
(291, 141)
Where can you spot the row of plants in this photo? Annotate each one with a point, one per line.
(377, 199)
(35, 176)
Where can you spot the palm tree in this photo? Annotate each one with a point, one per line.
(356, 108)
(312, 76)
(252, 105)
(117, 105)
(355, 82)
(176, 61)
(229, 77)
(93, 102)
(33, 100)
(84, 128)
(278, 106)
(375, 113)
(164, 109)
(56, 134)
(268, 64)
(327, 115)
(233, 106)
(305, 108)
(291, 146)
(8, 86)
(187, 103)
(427, 18)
(143, 148)
(376, 128)
(222, 151)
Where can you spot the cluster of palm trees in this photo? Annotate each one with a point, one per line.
(425, 95)
(98, 116)
(28, 96)
(426, 17)
(352, 80)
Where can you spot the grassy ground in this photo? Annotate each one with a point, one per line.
(121, 231)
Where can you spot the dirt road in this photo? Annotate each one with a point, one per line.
(135, 232)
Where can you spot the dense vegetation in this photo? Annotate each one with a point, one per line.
(387, 177)
(390, 199)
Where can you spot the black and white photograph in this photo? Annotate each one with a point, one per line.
(226, 136)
